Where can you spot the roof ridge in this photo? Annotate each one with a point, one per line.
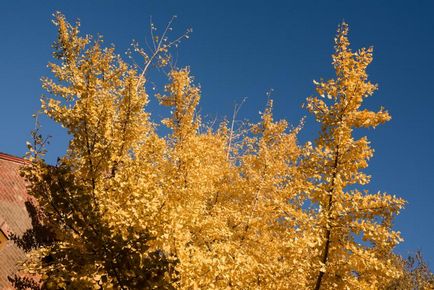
(12, 158)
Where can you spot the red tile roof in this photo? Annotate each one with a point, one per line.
(13, 213)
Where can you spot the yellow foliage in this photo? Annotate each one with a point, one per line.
(131, 209)
(353, 227)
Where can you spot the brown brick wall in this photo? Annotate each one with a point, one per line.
(13, 214)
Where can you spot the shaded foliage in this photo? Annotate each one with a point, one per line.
(39, 235)
(417, 275)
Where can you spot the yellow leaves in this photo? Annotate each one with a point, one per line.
(367, 118)
(195, 210)
(183, 96)
(322, 268)
(336, 163)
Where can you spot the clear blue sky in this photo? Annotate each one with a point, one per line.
(243, 48)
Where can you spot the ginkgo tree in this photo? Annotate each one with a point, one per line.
(354, 228)
(129, 208)
(91, 201)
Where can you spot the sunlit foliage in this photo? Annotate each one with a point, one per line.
(355, 239)
(128, 208)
